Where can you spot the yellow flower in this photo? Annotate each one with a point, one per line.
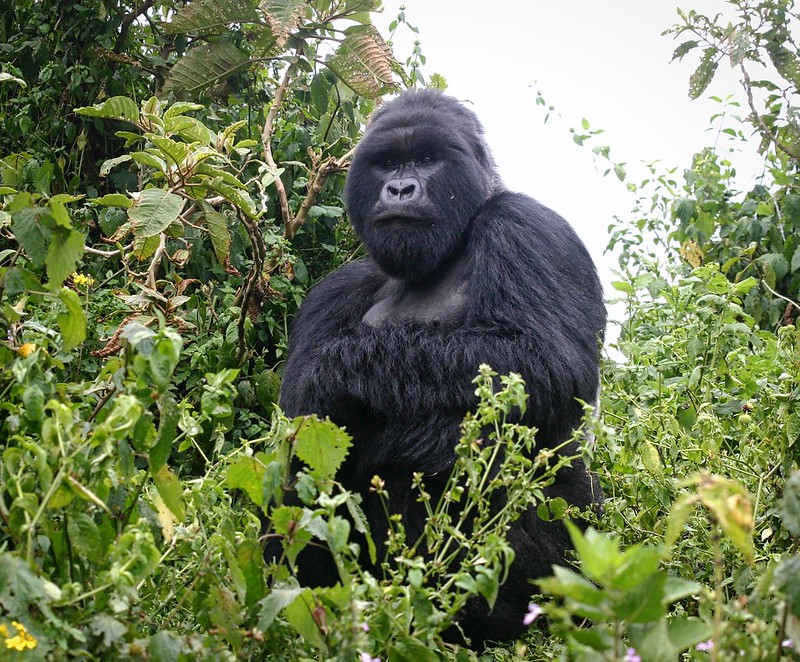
(20, 641)
(80, 279)
(3, 631)
(27, 349)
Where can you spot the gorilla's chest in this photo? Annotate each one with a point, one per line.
(440, 302)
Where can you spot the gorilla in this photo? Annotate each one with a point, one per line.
(460, 272)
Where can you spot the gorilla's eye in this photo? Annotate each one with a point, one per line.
(389, 163)
(425, 159)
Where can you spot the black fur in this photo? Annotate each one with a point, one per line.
(461, 272)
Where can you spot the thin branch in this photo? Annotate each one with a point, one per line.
(266, 138)
(321, 172)
(780, 296)
(153, 270)
(95, 251)
(759, 121)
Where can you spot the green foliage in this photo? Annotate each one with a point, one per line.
(152, 251)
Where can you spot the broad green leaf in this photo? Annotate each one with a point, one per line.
(777, 262)
(703, 75)
(119, 108)
(113, 200)
(84, 536)
(66, 248)
(274, 603)
(177, 152)
(745, 286)
(305, 616)
(321, 445)
(220, 236)
(154, 211)
(171, 491)
(204, 66)
(599, 553)
(240, 199)
(151, 160)
(623, 286)
(204, 15)
(33, 227)
(364, 62)
(247, 473)
(72, 322)
(250, 556)
(165, 646)
(181, 107)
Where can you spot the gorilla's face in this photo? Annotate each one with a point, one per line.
(419, 176)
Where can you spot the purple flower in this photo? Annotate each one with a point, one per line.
(631, 656)
(364, 627)
(787, 643)
(534, 611)
(366, 657)
(705, 646)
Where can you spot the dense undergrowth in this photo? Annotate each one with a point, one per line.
(152, 252)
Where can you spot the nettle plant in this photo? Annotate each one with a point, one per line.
(462, 554)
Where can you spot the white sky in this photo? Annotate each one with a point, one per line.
(605, 61)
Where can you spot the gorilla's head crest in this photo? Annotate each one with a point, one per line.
(418, 178)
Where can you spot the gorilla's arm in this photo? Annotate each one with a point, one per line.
(536, 308)
(332, 309)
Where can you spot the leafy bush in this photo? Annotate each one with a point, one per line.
(167, 197)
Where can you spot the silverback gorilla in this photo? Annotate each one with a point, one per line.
(460, 272)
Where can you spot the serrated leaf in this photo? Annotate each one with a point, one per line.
(247, 473)
(154, 211)
(364, 62)
(777, 262)
(66, 248)
(84, 536)
(118, 108)
(207, 15)
(322, 445)
(33, 229)
(71, 322)
(204, 66)
(704, 74)
(282, 17)
(171, 490)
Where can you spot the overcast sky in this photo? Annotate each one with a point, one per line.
(603, 61)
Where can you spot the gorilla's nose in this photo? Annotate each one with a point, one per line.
(407, 189)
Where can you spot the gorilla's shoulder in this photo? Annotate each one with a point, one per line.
(355, 281)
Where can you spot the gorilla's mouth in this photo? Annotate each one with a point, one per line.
(393, 219)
